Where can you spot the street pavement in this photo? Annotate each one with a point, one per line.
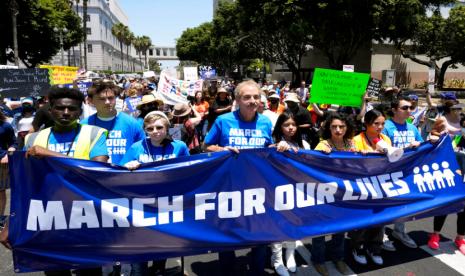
(404, 262)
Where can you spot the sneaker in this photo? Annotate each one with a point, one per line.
(281, 270)
(433, 241)
(376, 258)
(342, 267)
(290, 262)
(405, 239)
(387, 245)
(460, 243)
(359, 256)
(321, 269)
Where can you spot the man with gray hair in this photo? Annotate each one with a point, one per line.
(241, 129)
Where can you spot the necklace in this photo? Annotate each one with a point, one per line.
(77, 129)
(368, 140)
(345, 147)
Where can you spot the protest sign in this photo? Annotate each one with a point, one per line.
(172, 90)
(348, 68)
(190, 73)
(207, 72)
(71, 213)
(82, 85)
(61, 74)
(373, 88)
(337, 87)
(16, 83)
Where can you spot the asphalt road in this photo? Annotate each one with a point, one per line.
(405, 261)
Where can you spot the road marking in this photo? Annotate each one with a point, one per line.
(310, 269)
(448, 254)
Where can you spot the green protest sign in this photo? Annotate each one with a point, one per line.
(338, 87)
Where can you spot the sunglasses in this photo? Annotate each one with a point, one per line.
(407, 107)
(151, 129)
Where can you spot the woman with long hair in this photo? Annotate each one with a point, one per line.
(370, 241)
(287, 136)
(201, 106)
(337, 134)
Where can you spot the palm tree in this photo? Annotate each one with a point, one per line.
(146, 44)
(118, 30)
(138, 45)
(142, 45)
(127, 40)
(84, 20)
(80, 44)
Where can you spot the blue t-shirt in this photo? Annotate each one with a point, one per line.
(123, 131)
(61, 143)
(230, 130)
(144, 152)
(401, 135)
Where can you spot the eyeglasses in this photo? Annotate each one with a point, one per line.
(406, 107)
(151, 129)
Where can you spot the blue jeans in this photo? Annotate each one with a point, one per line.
(336, 248)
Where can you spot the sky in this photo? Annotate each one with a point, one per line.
(165, 20)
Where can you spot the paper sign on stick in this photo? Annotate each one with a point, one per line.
(337, 87)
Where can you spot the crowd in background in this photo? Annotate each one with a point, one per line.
(141, 128)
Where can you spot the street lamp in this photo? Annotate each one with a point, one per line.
(62, 31)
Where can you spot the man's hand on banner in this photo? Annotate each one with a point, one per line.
(233, 149)
(4, 236)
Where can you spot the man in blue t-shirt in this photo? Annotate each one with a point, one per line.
(402, 135)
(123, 130)
(241, 129)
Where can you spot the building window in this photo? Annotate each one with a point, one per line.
(165, 53)
(88, 17)
(151, 52)
(89, 48)
(89, 31)
(158, 52)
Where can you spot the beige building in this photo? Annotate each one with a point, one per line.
(373, 59)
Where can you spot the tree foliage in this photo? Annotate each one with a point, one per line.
(36, 20)
(119, 31)
(282, 31)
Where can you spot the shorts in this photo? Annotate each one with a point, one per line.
(4, 177)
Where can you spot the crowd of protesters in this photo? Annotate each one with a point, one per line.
(127, 123)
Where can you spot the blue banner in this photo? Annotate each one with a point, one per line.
(69, 213)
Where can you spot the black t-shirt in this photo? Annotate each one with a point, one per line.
(212, 115)
(309, 134)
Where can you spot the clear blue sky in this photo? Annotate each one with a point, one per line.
(165, 20)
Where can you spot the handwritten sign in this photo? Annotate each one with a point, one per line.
(337, 87)
(373, 88)
(61, 74)
(16, 83)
